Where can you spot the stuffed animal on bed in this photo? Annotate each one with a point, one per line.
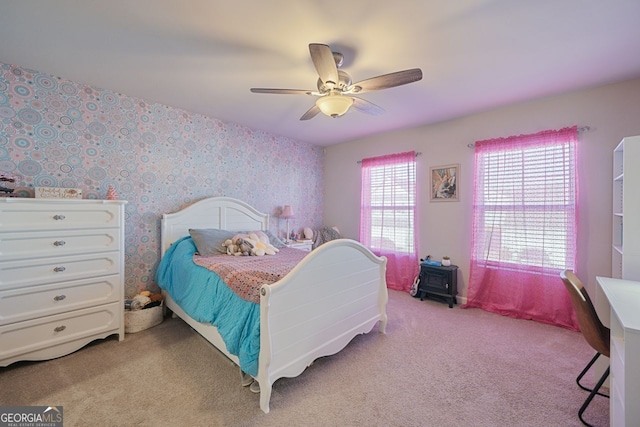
(252, 244)
(263, 243)
(231, 248)
(238, 245)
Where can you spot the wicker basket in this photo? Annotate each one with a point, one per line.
(139, 320)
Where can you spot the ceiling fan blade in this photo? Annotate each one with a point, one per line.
(366, 107)
(322, 58)
(386, 81)
(311, 113)
(282, 91)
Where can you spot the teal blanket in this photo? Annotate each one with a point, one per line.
(205, 297)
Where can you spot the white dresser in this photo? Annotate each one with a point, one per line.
(61, 275)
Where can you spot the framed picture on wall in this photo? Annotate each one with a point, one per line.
(444, 183)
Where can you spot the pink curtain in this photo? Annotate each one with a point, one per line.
(525, 226)
(388, 215)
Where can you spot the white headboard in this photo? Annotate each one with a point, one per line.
(224, 213)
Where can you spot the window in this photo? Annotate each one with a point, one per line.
(526, 206)
(388, 213)
(525, 226)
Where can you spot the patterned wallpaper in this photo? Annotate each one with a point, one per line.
(58, 133)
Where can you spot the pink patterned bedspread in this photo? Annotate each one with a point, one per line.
(245, 274)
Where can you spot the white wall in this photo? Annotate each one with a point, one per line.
(612, 112)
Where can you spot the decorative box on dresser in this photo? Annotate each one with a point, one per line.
(61, 275)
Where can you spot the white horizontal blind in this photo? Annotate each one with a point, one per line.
(388, 203)
(525, 216)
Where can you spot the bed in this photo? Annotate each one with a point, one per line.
(335, 293)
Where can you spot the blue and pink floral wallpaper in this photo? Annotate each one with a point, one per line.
(59, 133)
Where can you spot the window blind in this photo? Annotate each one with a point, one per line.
(388, 203)
(526, 206)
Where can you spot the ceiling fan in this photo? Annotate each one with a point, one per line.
(335, 88)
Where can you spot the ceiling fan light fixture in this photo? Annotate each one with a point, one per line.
(334, 105)
(335, 87)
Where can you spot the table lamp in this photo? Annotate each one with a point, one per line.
(287, 213)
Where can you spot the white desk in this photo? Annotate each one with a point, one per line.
(623, 297)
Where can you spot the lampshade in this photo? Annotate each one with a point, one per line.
(287, 212)
(334, 105)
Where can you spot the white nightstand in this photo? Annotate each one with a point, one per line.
(303, 246)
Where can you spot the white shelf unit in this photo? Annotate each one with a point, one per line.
(625, 252)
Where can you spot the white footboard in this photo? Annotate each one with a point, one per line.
(337, 292)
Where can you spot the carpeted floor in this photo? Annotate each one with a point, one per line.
(435, 366)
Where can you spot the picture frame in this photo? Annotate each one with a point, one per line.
(443, 182)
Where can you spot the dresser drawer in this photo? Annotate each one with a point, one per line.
(58, 215)
(36, 301)
(29, 336)
(40, 244)
(23, 273)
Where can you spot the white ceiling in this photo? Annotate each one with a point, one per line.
(204, 55)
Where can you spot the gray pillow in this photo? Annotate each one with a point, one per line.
(209, 241)
(275, 241)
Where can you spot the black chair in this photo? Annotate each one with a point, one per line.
(596, 334)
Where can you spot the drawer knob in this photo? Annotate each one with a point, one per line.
(59, 297)
(59, 243)
(59, 328)
(59, 217)
(59, 269)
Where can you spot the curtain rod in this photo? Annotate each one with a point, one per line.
(580, 129)
(418, 153)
